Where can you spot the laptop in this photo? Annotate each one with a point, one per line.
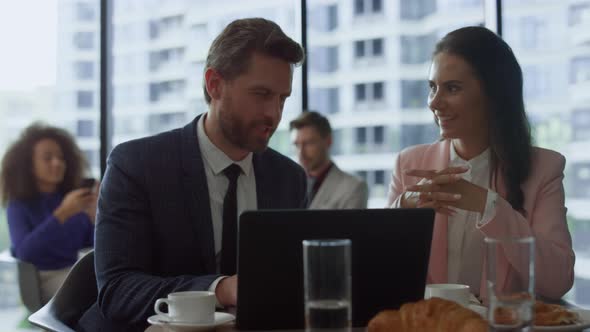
(389, 261)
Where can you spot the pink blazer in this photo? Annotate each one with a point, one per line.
(545, 219)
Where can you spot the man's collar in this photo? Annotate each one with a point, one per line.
(214, 157)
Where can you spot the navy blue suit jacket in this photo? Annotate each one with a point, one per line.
(154, 233)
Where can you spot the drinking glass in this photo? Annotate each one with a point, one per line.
(327, 280)
(510, 301)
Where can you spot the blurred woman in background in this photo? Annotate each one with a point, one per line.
(484, 177)
(50, 216)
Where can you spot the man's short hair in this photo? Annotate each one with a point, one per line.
(231, 51)
(312, 119)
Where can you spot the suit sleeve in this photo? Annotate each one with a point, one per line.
(124, 248)
(554, 256)
(358, 198)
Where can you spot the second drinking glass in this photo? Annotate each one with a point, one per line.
(327, 283)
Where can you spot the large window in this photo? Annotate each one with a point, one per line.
(49, 72)
(159, 61)
(375, 94)
(556, 72)
(367, 61)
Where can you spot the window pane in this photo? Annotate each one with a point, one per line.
(417, 9)
(86, 12)
(359, 48)
(414, 94)
(360, 92)
(324, 59)
(417, 49)
(48, 73)
(323, 18)
(159, 51)
(552, 44)
(84, 99)
(380, 177)
(84, 70)
(332, 17)
(384, 51)
(361, 135)
(379, 135)
(378, 47)
(85, 128)
(378, 91)
(359, 6)
(324, 100)
(377, 6)
(84, 40)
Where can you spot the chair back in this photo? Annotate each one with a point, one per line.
(73, 298)
(29, 284)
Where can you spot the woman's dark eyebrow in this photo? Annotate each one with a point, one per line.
(447, 82)
(452, 82)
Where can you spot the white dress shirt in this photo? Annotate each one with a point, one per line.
(215, 161)
(465, 240)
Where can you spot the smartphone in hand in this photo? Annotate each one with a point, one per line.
(88, 183)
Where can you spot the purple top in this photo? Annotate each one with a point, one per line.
(38, 237)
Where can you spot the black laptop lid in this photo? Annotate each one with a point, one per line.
(390, 251)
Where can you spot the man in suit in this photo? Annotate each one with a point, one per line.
(328, 187)
(169, 203)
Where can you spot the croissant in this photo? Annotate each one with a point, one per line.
(435, 314)
(553, 314)
(545, 315)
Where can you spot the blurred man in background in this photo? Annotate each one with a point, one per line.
(328, 187)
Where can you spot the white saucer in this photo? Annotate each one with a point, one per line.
(160, 320)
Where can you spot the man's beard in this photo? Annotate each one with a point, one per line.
(236, 130)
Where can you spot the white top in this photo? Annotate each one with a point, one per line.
(465, 240)
(215, 161)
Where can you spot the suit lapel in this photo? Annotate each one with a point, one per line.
(264, 185)
(196, 192)
(437, 157)
(327, 186)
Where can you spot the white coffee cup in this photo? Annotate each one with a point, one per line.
(453, 292)
(192, 306)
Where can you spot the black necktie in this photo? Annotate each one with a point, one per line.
(229, 236)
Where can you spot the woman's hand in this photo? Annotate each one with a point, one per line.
(444, 190)
(74, 202)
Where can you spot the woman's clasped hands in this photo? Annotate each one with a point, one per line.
(444, 191)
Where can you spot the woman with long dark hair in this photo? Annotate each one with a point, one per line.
(484, 177)
(50, 217)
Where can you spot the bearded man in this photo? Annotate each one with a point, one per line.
(169, 204)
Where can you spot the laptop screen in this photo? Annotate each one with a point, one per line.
(389, 261)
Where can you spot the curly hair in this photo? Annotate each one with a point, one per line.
(17, 181)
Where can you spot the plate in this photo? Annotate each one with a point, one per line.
(220, 319)
(584, 318)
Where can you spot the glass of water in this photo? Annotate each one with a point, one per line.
(511, 283)
(327, 278)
